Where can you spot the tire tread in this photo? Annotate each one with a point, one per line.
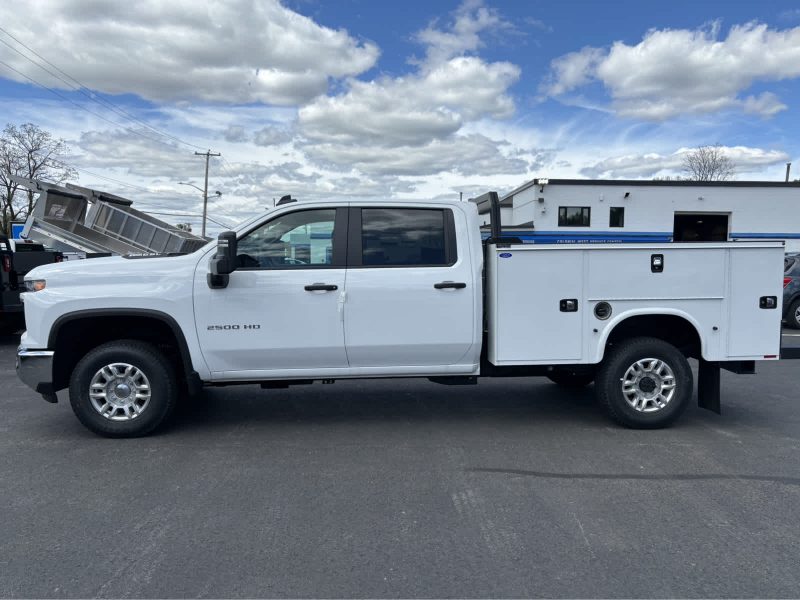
(607, 387)
(116, 430)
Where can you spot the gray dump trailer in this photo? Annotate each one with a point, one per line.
(71, 218)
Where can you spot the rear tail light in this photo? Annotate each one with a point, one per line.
(7, 264)
(787, 281)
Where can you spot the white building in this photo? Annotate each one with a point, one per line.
(552, 211)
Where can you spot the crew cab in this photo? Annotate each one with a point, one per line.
(320, 291)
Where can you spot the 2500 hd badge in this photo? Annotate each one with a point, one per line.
(232, 327)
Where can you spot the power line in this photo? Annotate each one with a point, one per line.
(128, 185)
(170, 214)
(80, 87)
(96, 114)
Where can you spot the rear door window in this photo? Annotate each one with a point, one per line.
(406, 237)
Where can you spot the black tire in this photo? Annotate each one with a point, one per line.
(571, 378)
(159, 375)
(617, 363)
(793, 315)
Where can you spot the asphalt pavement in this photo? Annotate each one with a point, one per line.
(405, 489)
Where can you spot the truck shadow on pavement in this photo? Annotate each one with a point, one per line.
(410, 400)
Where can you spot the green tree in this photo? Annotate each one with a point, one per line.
(28, 151)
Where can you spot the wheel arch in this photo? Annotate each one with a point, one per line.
(671, 325)
(92, 327)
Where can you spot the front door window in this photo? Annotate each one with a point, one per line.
(300, 239)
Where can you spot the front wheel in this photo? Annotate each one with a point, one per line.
(644, 383)
(123, 389)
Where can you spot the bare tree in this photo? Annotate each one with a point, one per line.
(708, 163)
(28, 151)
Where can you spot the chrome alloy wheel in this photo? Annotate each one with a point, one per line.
(648, 385)
(119, 392)
(797, 314)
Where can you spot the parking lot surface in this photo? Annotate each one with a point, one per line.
(405, 489)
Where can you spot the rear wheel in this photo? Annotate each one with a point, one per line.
(123, 389)
(571, 378)
(645, 383)
(793, 316)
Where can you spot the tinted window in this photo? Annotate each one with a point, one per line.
(574, 216)
(403, 237)
(616, 217)
(788, 263)
(299, 239)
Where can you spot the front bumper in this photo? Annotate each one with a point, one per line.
(35, 369)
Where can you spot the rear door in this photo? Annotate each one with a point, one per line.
(410, 292)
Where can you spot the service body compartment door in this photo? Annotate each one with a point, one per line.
(531, 317)
(411, 292)
(754, 332)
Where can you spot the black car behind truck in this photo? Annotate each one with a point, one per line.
(16, 259)
(791, 290)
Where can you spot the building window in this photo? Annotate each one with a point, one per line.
(574, 216)
(616, 217)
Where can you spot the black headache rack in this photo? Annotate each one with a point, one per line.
(490, 203)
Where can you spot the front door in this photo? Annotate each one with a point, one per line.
(411, 299)
(282, 309)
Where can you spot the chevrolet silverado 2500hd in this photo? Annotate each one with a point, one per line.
(332, 290)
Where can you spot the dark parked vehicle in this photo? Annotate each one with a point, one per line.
(16, 259)
(791, 290)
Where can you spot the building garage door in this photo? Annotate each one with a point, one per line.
(701, 227)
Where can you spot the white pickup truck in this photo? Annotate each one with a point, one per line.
(319, 291)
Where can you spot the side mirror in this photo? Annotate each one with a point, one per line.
(223, 263)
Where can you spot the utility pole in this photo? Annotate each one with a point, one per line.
(208, 154)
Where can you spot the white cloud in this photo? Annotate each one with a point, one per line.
(462, 35)
(271, 136)
(235, 133)
(572, 71)
(399, 124)
(231, 52)
(463, 154)
(648, 165)
(765, 104)
(134, 152)
(678, 71)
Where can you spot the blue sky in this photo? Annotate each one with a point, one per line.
(403, 100)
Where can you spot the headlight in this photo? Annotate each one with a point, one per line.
(35, 285)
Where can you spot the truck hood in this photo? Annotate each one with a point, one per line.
(115, 267)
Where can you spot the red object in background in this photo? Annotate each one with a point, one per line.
(787, 281)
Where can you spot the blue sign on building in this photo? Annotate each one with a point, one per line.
(16, 230)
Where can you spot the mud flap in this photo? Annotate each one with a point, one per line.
(708, 386)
